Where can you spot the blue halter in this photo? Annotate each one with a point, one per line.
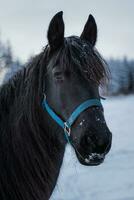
(67, 125)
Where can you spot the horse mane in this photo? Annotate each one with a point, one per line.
(79, 55)
(28, 152)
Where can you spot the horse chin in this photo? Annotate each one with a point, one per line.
(93, 159)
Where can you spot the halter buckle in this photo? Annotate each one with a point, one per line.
(44, 96)
(67, 128)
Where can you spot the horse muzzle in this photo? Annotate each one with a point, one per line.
(92, 154)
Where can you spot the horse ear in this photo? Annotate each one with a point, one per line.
(90, 31)
(55, 32)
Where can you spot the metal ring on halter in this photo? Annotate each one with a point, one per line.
(67, 128)
(44, 95)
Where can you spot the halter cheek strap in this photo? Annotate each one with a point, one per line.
(68, 124)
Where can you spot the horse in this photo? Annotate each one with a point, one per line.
(52, 101)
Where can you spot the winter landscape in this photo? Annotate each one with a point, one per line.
(24, 22)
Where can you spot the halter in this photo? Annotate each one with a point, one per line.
(66, 125)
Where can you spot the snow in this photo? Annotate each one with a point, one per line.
(112, 180)
(81, 123)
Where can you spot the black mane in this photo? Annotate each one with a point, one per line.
(26, 169)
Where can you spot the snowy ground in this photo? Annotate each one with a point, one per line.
(114, 179)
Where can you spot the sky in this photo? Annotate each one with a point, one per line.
(25, 24)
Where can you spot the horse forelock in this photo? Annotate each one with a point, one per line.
(78, 54)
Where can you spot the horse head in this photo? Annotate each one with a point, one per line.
(73, 75)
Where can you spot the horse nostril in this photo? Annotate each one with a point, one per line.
(96, 143)
(100, 142)
(101, 145)
(89, 142)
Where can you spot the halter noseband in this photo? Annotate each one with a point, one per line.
(67, 125)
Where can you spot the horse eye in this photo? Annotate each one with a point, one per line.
(57, 74)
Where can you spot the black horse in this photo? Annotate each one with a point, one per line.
(66, 73)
